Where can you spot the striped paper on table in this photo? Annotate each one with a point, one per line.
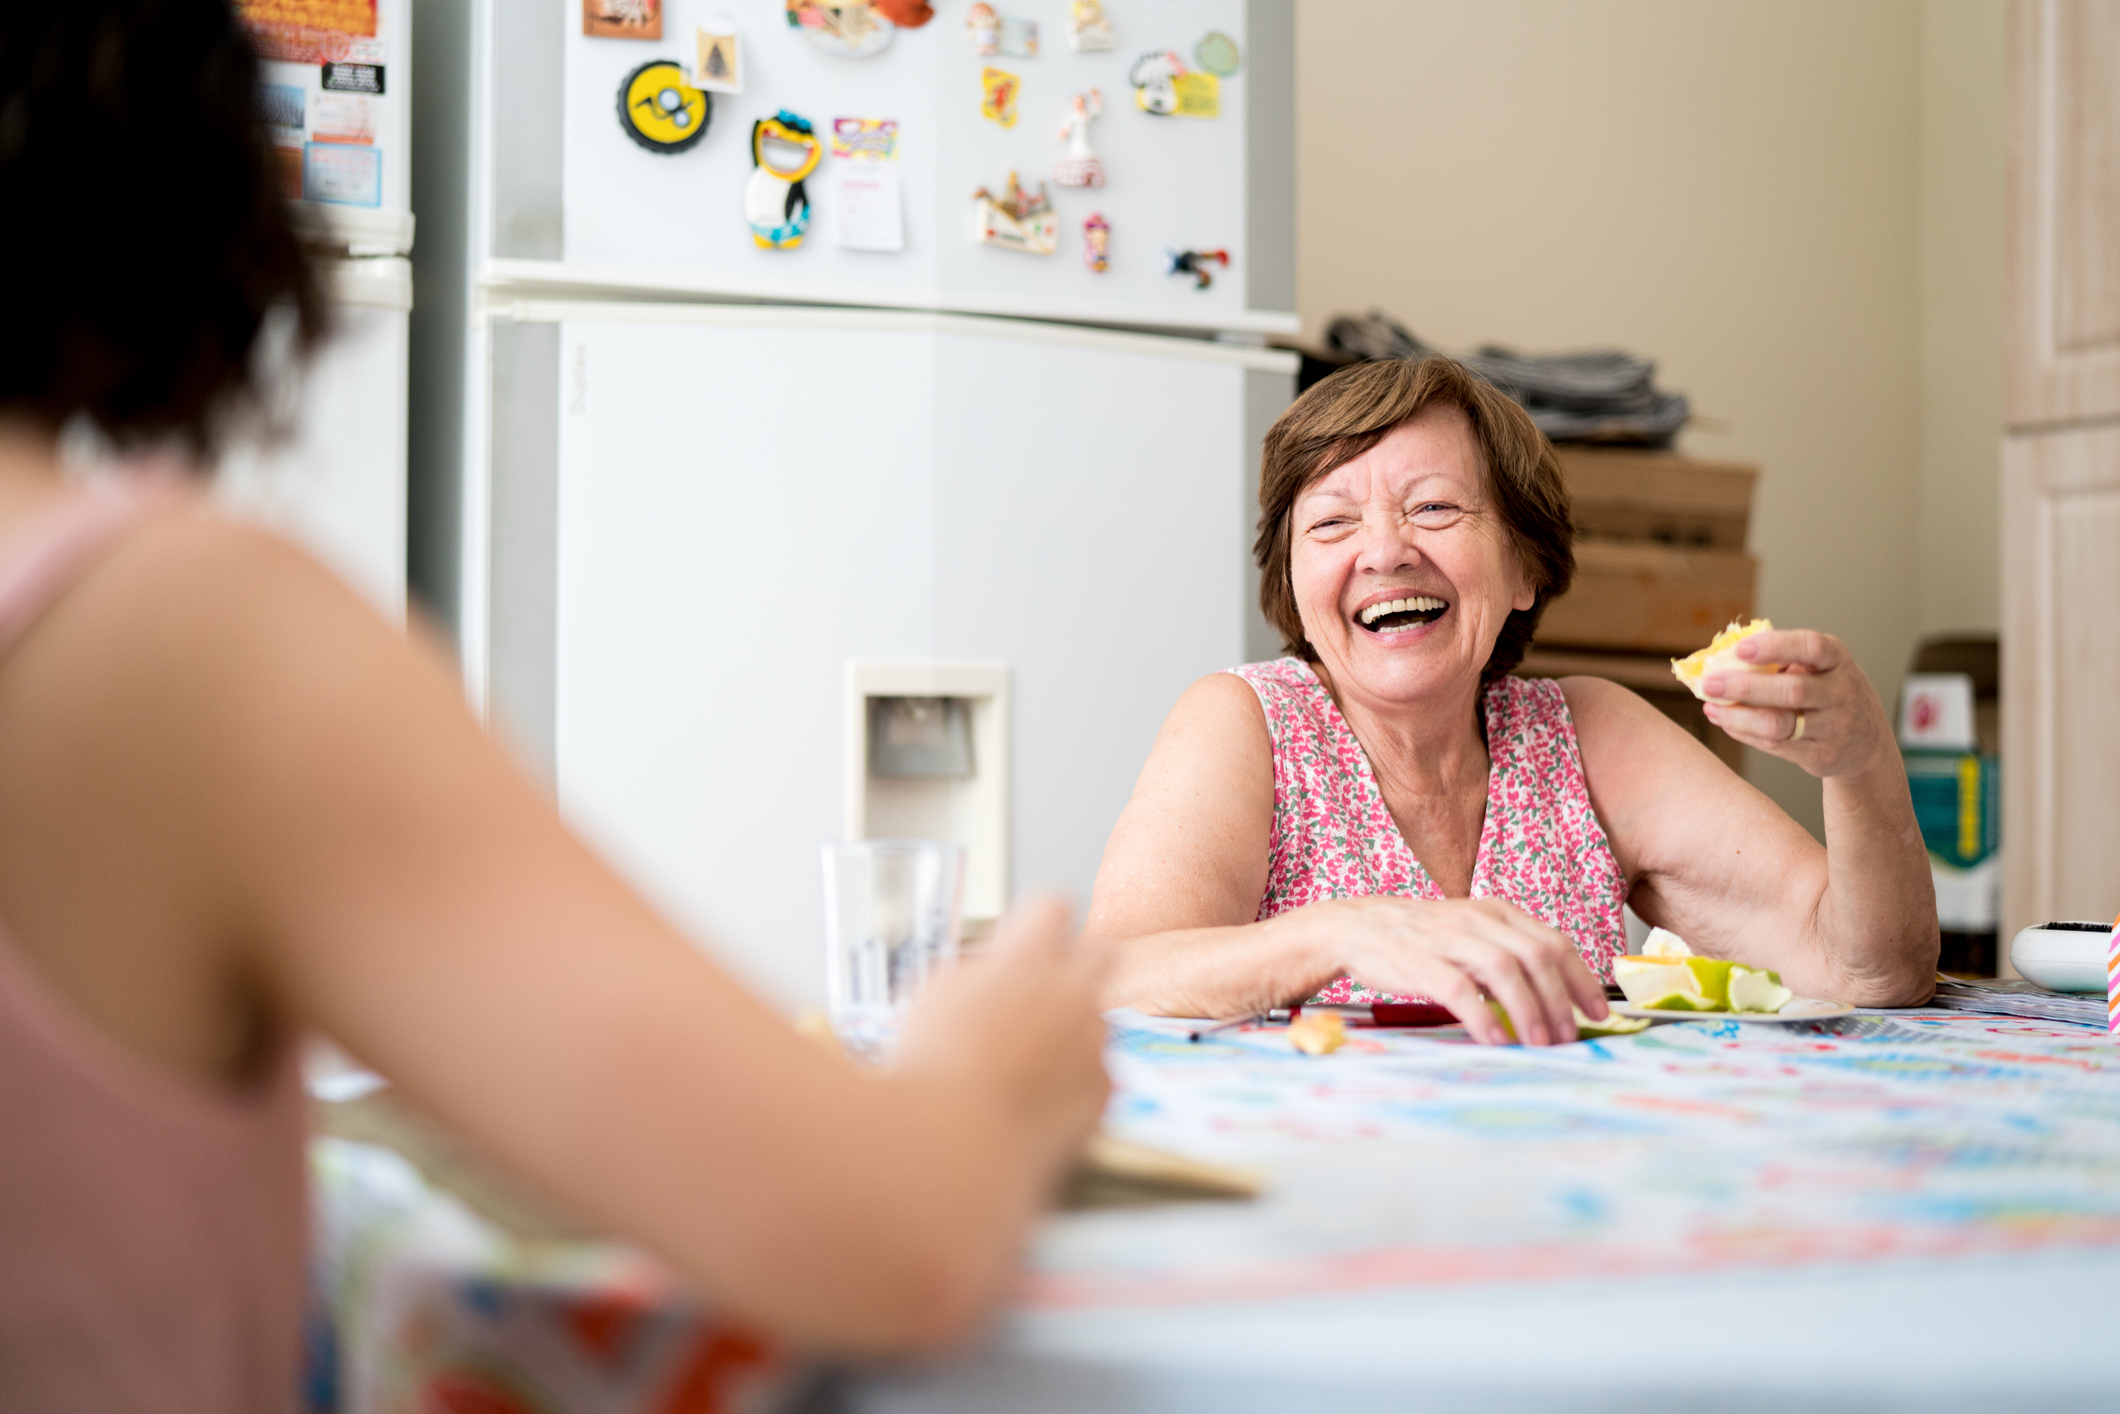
(2112, 981)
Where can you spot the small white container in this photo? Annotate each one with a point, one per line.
(2063, 957)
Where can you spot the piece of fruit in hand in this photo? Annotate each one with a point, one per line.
(1720, 656)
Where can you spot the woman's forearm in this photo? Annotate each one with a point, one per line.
(1877, 919)
(1229, 971)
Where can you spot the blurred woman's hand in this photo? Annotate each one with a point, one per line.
(1020, 1023)
(1460, 952)
(1819, 712)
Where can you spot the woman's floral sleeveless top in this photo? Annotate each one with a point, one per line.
(1541, 847)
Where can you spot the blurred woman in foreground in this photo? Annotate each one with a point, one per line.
(234, 805)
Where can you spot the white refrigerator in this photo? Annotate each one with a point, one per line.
(714, 494)
(338, 111)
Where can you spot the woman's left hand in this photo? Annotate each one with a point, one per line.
(1820, 712)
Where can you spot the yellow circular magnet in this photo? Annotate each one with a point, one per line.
(660, 110)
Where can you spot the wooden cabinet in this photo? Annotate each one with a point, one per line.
(2062, 359)
(2061, 467)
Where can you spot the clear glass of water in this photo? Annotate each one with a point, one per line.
(891, 922)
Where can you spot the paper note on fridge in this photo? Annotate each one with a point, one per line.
(868, 211)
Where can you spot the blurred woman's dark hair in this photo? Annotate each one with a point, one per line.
(142, 228)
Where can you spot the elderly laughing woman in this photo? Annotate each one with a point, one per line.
(1385, 812)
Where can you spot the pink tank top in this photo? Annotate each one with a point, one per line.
(1541, 847)
(152, 1227)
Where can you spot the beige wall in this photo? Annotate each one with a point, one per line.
(1764, 196)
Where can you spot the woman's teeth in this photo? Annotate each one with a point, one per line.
(1397, 615)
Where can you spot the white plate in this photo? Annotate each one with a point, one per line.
(1797, 1009)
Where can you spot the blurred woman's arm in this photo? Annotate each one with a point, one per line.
(235, 772)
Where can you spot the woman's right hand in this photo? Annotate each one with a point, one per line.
(1460, 952)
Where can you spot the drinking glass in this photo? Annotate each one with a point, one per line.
(890, 923)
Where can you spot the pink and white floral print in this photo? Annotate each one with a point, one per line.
(1541, 847)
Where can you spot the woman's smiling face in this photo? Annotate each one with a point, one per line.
(1402, 572)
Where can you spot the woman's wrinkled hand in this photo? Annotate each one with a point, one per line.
(1461, 952)
(1820, 713)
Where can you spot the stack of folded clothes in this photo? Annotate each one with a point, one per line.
(1597, 395)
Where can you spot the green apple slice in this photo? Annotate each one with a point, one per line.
(1757, 990)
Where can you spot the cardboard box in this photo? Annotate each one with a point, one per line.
(1659, 497)
(1648, 675)
(1649, 598)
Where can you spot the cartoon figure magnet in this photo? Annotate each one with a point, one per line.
(1154, 77)
(1088, 31)
(1080, 167)
(1097, 243)
(660, 110)
(784, 150)
(984, 26)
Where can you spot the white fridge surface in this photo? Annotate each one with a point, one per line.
(750, 497)
(337, 484)
(675, 222)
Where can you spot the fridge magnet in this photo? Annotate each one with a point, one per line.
(1080, 167)
(1199, 95)
(1088, 31)
(719, 66)
(622, 19)
(342, 175)
(867, 207)
(1154, 77)
(344, 117)
(1195, 263)
(784, 150)
(849, 28)
(906, 14)
(997, 96)
(984, 26)
(315, 32)
(1097, 243)
(1016, 220)
(281, 106)
(661, 111)
(345, 76)
(1217, 54)
(1018, 39)
(864, 139)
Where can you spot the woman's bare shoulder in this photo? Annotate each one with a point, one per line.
(1215, 734)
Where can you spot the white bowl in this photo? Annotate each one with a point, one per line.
(2063, 957)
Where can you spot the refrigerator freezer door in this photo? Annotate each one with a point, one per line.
(675, 222)
(748, 499)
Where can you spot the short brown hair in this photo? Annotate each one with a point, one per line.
(1356, 408)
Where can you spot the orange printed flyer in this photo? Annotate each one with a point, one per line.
(307, 31)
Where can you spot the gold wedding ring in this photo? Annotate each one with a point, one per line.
(1797, 735)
